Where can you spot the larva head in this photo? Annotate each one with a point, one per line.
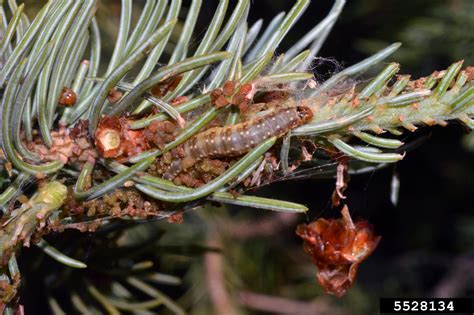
(305, 114)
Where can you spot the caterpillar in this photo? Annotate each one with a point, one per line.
(238, 139)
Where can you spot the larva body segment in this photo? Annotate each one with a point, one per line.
(239, 139)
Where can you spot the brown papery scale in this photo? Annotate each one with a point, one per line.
(165, 86)
(236, 140)
(218, 98)
(228, 88)
(337, 247)
(67, 97)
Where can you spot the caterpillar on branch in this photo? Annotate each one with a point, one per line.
(238, 139)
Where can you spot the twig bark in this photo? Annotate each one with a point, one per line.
(278, 305)
(214, 273)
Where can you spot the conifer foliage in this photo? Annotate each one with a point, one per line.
(167, 127)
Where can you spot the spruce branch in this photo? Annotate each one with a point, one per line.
(60, 147)
(381, 107)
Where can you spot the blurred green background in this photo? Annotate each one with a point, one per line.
(427, 246)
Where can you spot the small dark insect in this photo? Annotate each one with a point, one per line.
(67, 98)
(337, 247)
(238, 139)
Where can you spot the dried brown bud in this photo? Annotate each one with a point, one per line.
(337, 247)
(215, 94)
(228, 88)
(108, 137)
(246, 88)
(221, 101)
(115, 139)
